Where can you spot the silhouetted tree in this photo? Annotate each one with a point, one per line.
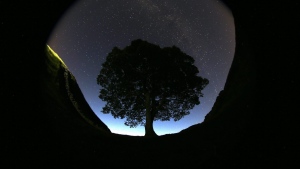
(144, 82)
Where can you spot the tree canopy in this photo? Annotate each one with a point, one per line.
(144, 83)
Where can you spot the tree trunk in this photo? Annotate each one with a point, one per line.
(149, 131)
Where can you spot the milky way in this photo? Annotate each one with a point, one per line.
(203, 29)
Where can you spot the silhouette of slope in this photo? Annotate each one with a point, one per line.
(252, 121)
(62, 90)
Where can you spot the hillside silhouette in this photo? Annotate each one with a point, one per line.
(251, 125)
(62, 90)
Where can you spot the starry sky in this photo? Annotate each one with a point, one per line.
(203, 29)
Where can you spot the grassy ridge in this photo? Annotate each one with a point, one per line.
(61, 89)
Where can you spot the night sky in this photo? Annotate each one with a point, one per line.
(203, 29)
